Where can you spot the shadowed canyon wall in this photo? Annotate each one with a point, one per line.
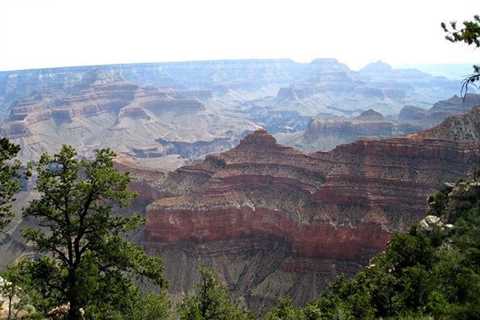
(275, 221)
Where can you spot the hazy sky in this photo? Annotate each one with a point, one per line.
(48, 33)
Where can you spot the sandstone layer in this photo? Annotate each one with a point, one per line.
(274, 221)
(325, 133)
(130, 119)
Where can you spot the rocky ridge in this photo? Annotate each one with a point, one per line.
(273, 220)
(439, 111)
(325, 133)
(325, 82)
(126, 117)
(464, 127)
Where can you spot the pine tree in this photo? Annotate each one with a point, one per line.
(9, 179)
(86, 267)
(211, 301)
(468, 33)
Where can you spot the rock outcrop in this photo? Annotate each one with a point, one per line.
(273, 220)
(316, 85)
(339, 91)
(123, 116)
(324, 134)
(464, 127)
(439, 111)
(370, 115)
(412, 114)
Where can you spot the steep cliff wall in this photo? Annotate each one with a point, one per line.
(275, 221)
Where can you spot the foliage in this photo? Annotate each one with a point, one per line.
(85, 265)
(468, 33)
(17, 300)
(9, 179)
(151, 306)
(431, 272)
(211, 301)
(285, 310)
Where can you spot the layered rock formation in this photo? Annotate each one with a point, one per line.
(274, 221)
(123, 116)
(339, 91)
(463, 127)
(326, 132)
(191, 109)
(323, 82)
(323, 134)
(439, 111)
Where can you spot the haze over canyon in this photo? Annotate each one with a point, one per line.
(280, 175)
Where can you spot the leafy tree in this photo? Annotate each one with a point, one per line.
(468, 33)
(9, 179)
(211, 301)
(86, 266)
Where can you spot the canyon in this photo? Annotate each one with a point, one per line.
(143, 122)
(279, 175)
(169, 114)
(275, 221)
(427, 118)
(325, 133)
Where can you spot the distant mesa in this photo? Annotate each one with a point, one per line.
(463, 127)
(325, 133)
(412, 113)
(329, 65)
(370, 115)
(439, 111)
(456, 104)
(377, 67)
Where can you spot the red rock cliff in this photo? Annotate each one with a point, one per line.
(273, 220)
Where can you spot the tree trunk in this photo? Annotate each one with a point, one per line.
(73, 297)
(74, 311)
(10, 305)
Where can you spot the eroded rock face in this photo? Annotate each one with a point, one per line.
(412, 114)
(273, 220)
(463, 127)
(439, 111)
(370, 115)
(324, 134)
(309, 88)
(123, 116)
(339, 91)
